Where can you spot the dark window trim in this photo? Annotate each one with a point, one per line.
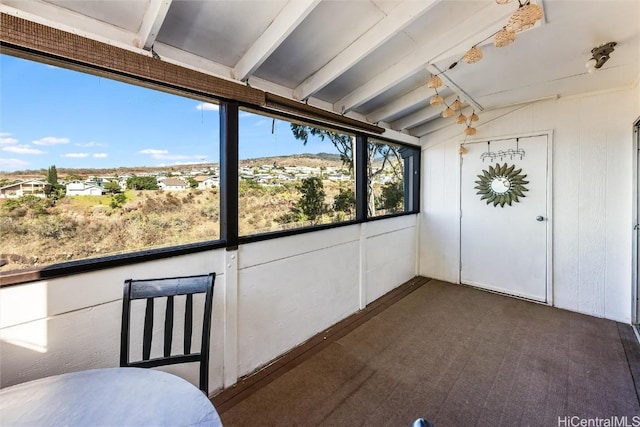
(229, 173)
(361, 177)
(19, 277)
(229, 114)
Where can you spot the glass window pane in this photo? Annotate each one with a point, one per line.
(91, 167)
(385, 178)
(292, 175)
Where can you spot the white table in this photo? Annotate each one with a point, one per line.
(107, 397)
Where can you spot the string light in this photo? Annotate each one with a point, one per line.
(473, 55)
(434, 82)
(525, 17)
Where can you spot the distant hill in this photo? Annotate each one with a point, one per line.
(306, 159)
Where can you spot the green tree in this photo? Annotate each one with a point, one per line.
(311, 203)
(112, 187)
(392, 195)
(380, 156)
(52, 175)
(345, 201)
(142, 183)
(340, 141)
(310, 206)
(53, 190)
(192, 182)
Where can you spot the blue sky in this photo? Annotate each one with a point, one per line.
(54, 116)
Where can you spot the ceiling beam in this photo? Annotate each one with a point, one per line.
(486, 117)
(490, 18)
(398, 105)
(464, 96)
(421, 116)
(293, 13)
(189, 60)
(151, 23)
(70, 21)
(397, 19)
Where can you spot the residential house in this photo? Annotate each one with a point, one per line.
(83, 188)
(205, 181)
(173, 184)
(32, 187)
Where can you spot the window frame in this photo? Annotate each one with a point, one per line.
(229, 133)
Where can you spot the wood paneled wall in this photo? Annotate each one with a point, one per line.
(592, 197)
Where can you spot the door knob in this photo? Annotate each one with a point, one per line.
(539, 218)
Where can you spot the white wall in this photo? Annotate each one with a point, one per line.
(592, 197)
(269, 296)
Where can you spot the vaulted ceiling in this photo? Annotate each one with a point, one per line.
(369, 59)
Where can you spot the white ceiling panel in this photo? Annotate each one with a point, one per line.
(390, 53)
(370, 56)
(221, 30)
(125, 14)
(329, 29)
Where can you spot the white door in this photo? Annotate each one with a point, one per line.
(503, 230)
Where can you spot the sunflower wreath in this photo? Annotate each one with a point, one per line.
(501, 185)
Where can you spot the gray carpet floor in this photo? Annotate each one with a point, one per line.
(458, 357)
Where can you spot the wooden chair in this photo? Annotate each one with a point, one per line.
(151, 289)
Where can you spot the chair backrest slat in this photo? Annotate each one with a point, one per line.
(188, 324)
(167, 287)
(168, 327)
(148, 330)
(150, 289)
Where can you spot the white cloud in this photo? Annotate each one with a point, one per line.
(75, 155)
(153, 151)
(6, 139)
(13, 164)
(51, 140)
(207, 106)
(91, 144)
(22, 149)
(100, 155)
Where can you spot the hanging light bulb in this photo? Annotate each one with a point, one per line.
(473, 55)
(434, 82)
(436, 100)
(504, 37)
(470, 131)
(474, 117)
(456, 105)
(525, 17)
(461, 119)
(448, 112)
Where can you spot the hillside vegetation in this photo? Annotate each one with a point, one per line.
(37, 231)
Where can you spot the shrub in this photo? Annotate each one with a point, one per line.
(117, 200)
(34, 204)
(54, 227)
